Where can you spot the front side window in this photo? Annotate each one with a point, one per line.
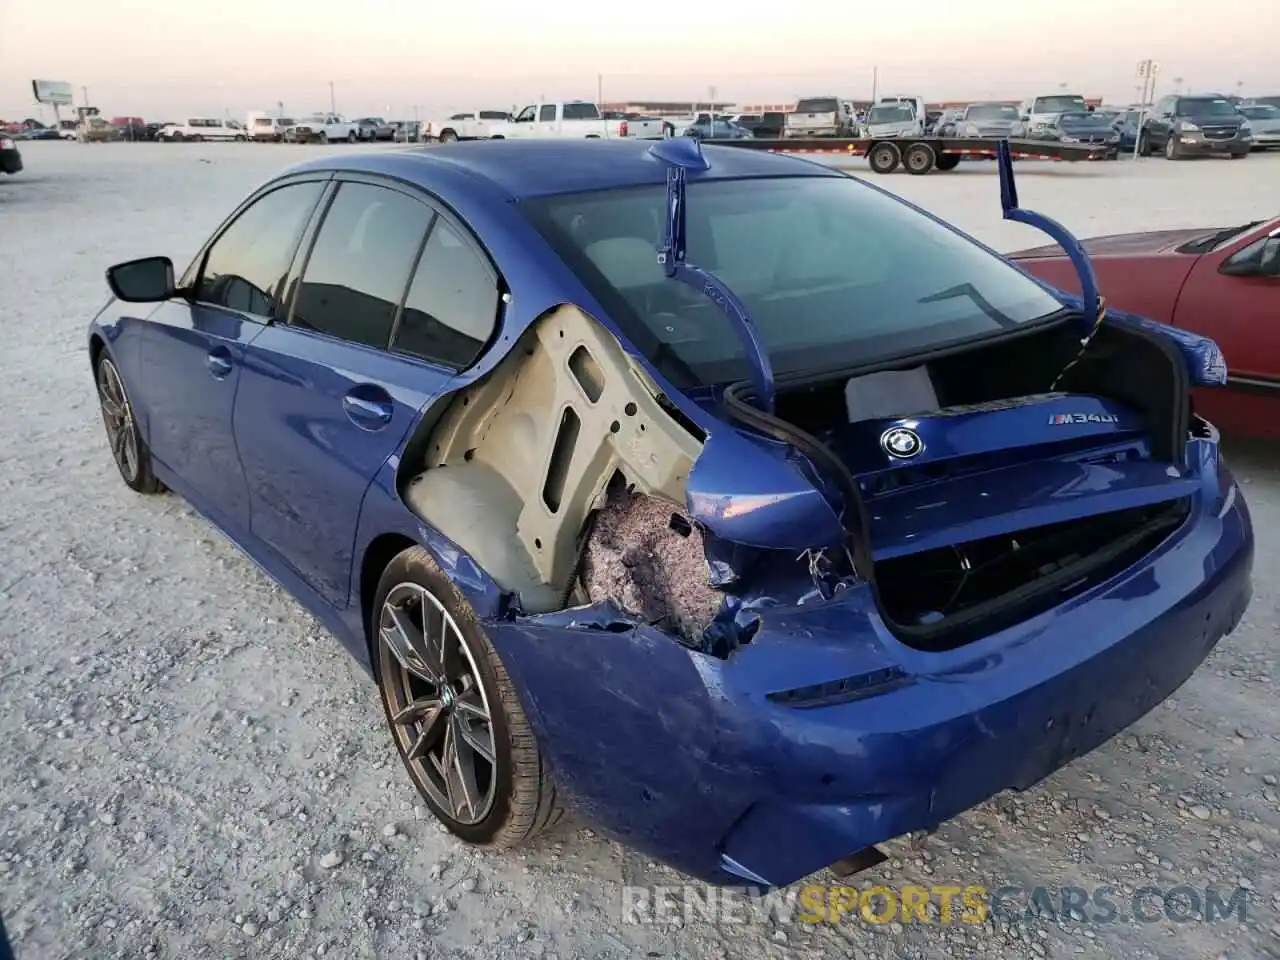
(359, 266)
(525, 115)
(245, 266)
(452, 304)
(833, 272)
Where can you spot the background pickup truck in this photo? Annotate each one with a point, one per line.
(467, 125)
(577, 118)
(323, 127)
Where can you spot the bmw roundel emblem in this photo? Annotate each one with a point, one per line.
(901, 443)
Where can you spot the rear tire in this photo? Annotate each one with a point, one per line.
(948, 161)
(351, 137)
(511, 798)
(920, 159)
(448, 136)
(884, 158)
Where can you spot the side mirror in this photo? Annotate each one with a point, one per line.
(149, 280)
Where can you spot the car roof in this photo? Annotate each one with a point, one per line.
(530, 168)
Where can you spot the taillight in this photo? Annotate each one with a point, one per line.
(622, 129)
(6, 143)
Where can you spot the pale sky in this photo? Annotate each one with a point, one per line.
(164, 60)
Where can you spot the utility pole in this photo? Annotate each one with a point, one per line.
(1147, 72)
(333, 104)
(600, 90)
(84, 92)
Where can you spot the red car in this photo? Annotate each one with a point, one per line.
(1223, 284)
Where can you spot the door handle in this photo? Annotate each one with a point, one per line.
(219, 363)
(369, 408)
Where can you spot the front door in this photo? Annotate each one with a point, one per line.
(327, 398)
(193, 350)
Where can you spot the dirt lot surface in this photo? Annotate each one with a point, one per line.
(191, 767)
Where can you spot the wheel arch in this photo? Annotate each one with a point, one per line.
(97, 346)
(381, 550)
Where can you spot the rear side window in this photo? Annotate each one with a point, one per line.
(452, 305)
(245, 266)
(581, 111)
(818, 105)
(359, 265)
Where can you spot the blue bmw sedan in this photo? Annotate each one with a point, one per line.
(748, 511)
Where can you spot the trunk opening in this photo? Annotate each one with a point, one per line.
(1011, 506)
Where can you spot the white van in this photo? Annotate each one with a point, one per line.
(202, 128)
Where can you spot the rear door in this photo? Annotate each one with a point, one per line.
(391, 300)
(193, 351)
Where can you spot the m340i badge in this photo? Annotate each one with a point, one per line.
(1060, 418)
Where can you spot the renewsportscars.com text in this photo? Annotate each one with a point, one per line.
(936, 904)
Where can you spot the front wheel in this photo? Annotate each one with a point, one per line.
(884, 158)
(128, 449)
(1171, 151)
(454, 714)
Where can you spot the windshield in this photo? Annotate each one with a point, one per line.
(891, 113)
(1084, 120)
(1264, 112)
(818, 105)
(1060, 104)
(1206, 107)
(833, 273)
(991, 111)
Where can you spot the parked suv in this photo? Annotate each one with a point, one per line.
(820, 117)
(1195, 125)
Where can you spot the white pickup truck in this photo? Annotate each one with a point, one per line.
(467, 125)
(576, 118)
(324, 128)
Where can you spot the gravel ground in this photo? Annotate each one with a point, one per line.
(193, 768)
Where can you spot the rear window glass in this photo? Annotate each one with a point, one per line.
(818, 105)
(832, 272)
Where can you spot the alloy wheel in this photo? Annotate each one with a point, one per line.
(117, 417)
(439, 710)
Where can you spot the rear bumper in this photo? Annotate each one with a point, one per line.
(690, 759)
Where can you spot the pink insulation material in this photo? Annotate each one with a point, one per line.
(637, 559)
